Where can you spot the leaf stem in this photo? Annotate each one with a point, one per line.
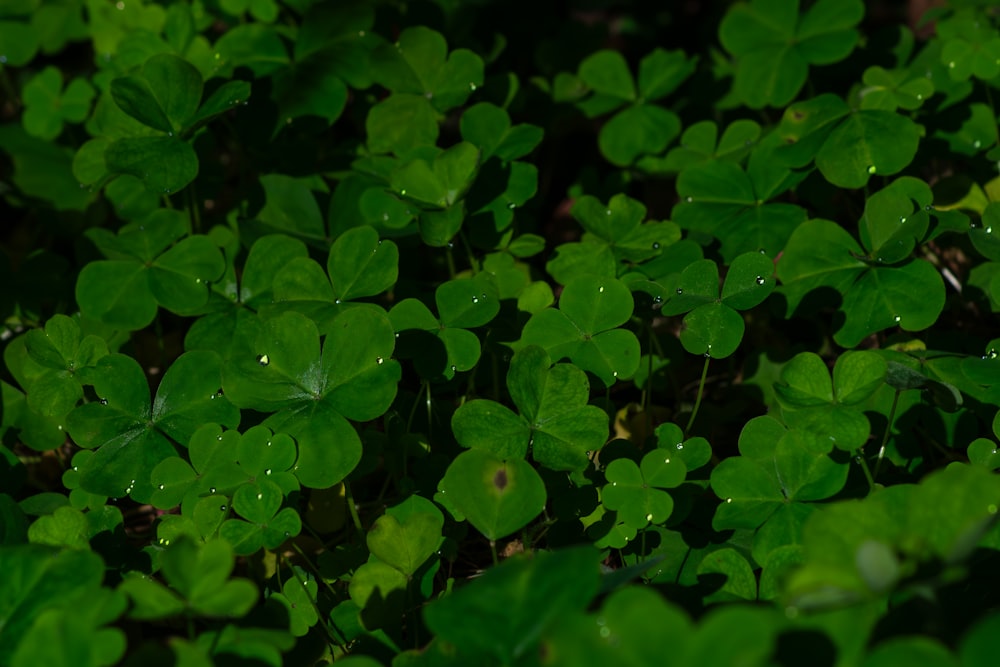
(697, 401)
(493, 551)
(888, 430)
(353, 509)
(860, 458)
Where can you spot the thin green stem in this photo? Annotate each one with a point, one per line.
(473, 264)
(493, 551)
(352, 507)
(885, 436)
(697, 401)
(860, 458)
(327, 624)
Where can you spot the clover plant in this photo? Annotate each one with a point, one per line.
(438, 333)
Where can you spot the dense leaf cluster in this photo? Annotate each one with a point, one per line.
(440, 333)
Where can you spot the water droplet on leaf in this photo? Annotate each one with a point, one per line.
(871, 169)
(379, 360)
(263, 359)
(761, 280)
(656, 245)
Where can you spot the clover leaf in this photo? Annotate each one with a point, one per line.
(848, 146)
(765, 488)
(151, 263)
(359, 265)
(712, 326)
(47, 106)
(774, 44)
(497, 497)
(263, 525)
(701, 143)
(909, 294)
(223, 460)
(61, 351)
(314, 393)
(583, 328)
(407, 535)
(635, 491)
(298, 596)
(641, 128)
(463, 303)
(614, 239)
(826, 409)
(556, 425)
(199, 583)
(235, 297)
(130, 436)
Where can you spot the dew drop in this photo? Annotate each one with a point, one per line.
(260, 496)
(928, 207)
(379, 360)
(268, 443)
(977, 143)
(649, 517)
(385, 217)
(267, 472)
(453, 368)
(76, 468)
(871, 169)
(402, 192)
(160, 487)
(989, 230)
(656, 245)
(287, 534)
(104, 401)
(689, 199)
(607, 212)
(472, 86)
(761, 280)
(680, 290)
(902, 219)
(680, 445)
(263, 359)
(601, 289)
(896, 319)
(475, 299)
(223, 508)
(666, 460)
(211, 489)
(614, 374)
(992, 354)
(658, 300)
(951, 65)
(729, 500)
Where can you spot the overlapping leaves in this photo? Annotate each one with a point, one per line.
(313, 393)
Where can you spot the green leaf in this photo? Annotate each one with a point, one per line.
(361, 265)
(401, 123)
(131, 436)
(774, 45)
(163, 95)
(867, 143)
(291, 206)
(503, 614)
(636, 131)
(165, 164)
(713, 330)
(419, 63)
(408, 544)
(607, 73)
(497, 497)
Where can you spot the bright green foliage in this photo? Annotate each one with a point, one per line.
(584, 328)
(712, 327)
(774, 44)
(640, 128)
(555, 423)
(352, 332)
